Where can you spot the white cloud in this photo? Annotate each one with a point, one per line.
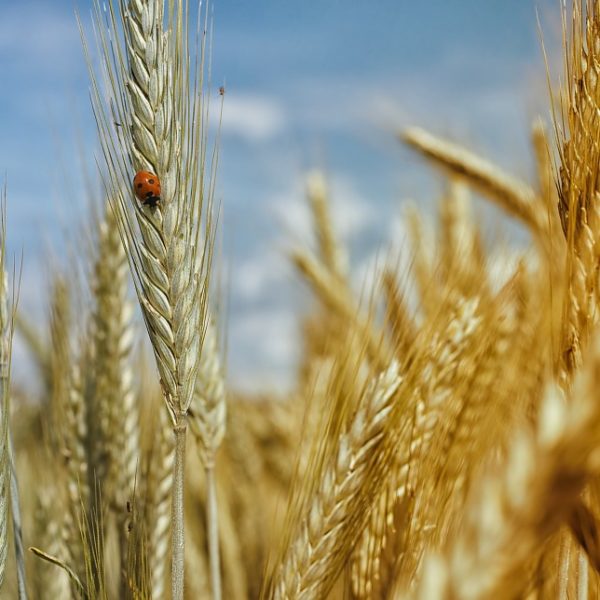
(253, 117)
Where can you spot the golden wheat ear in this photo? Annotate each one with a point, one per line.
(514, 196)
(320, 543)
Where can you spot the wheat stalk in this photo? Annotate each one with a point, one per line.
(113, 379)
(208, 415)
(157, 97)
(431, 409)
(160, 484)
(310, 560)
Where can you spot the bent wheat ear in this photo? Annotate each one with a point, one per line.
(516, 197)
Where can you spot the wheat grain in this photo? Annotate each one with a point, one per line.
(423, 262)
(445, 368)
(209, 410)
(460, 253)
(48, 582)
(578, 147)
(78, 490)
(60, 356)
(168, 257)
(398, 315)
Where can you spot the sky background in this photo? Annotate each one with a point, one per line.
(318, 84)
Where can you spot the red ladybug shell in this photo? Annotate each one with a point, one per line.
(147, 187)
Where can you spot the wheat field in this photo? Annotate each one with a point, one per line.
(442, 439)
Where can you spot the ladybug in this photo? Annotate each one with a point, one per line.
(147, 188)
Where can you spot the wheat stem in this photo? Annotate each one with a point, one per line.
(177, 558)
(212, 519)
(160, 484)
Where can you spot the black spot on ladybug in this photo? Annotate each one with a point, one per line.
(139, 185)
(148, 194)
(150, 181)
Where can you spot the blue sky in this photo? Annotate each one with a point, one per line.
(309, 84)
